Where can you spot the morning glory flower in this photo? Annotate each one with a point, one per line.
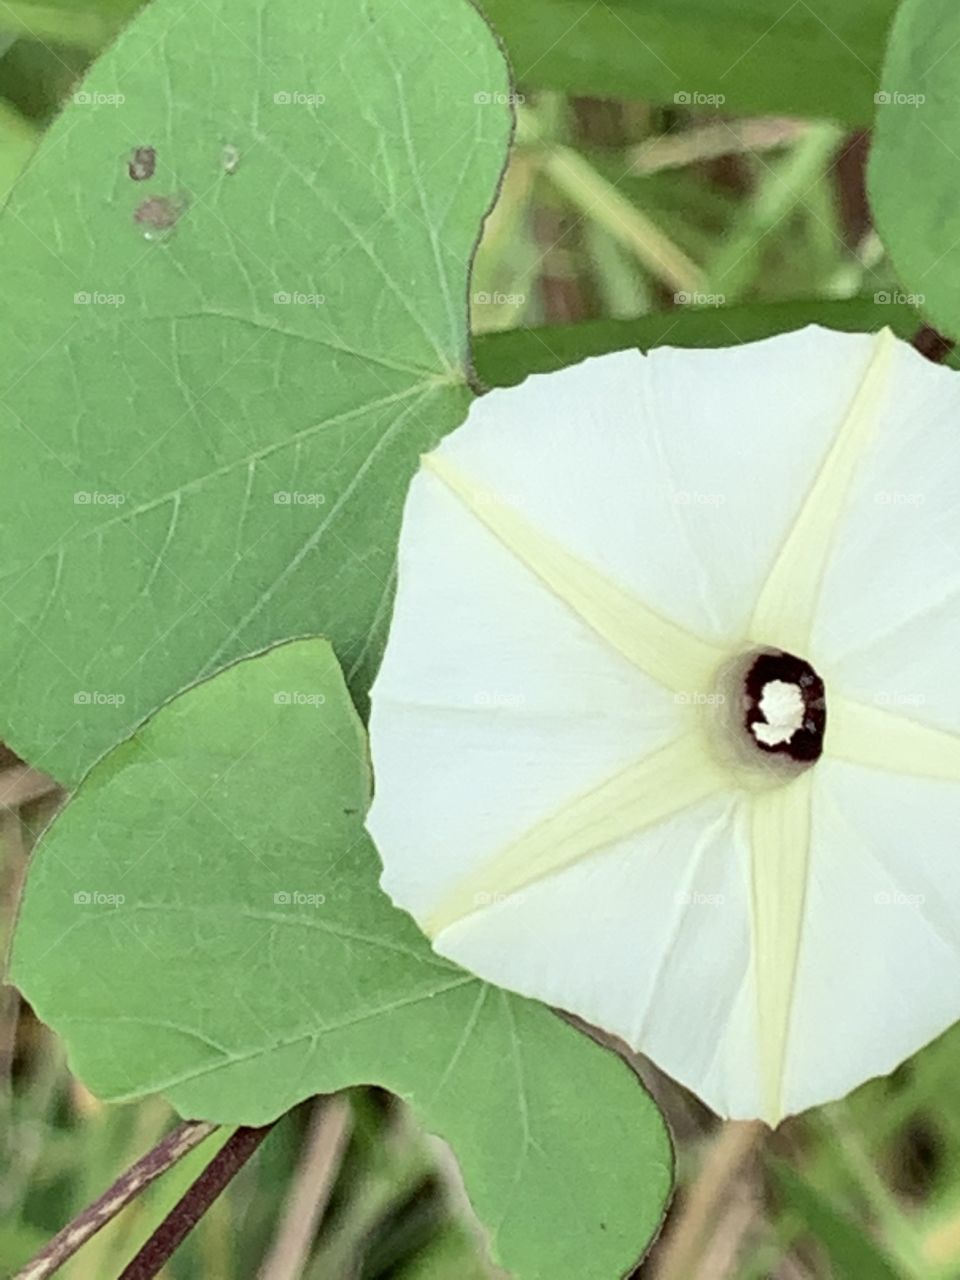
(667, 732)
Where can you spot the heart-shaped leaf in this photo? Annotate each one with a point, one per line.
(737, 56)
(204, 920)
(914, 164)
(241, 261)
(504, 359)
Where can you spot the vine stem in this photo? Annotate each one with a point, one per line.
(932, 344)
(171, 1149)
(195, 1202)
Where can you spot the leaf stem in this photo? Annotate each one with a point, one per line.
(195, 1202)
(127, 1187)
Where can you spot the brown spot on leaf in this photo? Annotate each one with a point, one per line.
(159, 214)
(142, 163)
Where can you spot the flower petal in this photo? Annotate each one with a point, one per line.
(666, 652)
(677, 474)
(891, 741)
(784, 613)
(887, 630)
(547, 804)
(879, 965)
(640, 796)
(495, 706)
(650, 940)
(780, 854)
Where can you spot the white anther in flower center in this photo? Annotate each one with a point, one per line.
(783, 708)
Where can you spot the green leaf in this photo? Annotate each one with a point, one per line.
(204, 920)
(211, 453)
(504, 359)
(914, 172)
(754, 55)
(852, 1253)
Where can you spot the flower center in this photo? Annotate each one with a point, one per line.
(765, 718)
(784, 705)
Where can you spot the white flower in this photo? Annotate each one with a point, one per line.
(667, 733)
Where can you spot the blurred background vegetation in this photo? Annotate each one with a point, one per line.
(613, 210)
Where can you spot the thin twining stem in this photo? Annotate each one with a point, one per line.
(171, 1149)
(194, 1203)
